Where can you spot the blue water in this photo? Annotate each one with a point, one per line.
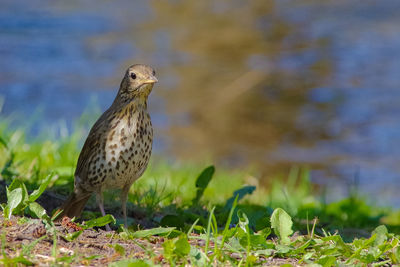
(57, 58)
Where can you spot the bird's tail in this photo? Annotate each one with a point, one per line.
(74, 205)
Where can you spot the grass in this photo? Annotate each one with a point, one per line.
(185, 214)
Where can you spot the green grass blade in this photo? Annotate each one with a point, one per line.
(228, 223)
(208, 233)
(192, 227)
(151, 232)
(38, 192)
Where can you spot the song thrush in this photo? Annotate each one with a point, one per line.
(118, 147)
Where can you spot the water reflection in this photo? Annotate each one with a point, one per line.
(270, 83)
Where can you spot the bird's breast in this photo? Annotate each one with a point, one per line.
(128, 146)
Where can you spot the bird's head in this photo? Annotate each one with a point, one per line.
(137, 82)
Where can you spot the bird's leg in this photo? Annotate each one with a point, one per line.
(124, 198)
(100, 203)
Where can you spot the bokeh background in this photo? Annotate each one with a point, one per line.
(267, 84)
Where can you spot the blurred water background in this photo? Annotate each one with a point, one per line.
(273, 84)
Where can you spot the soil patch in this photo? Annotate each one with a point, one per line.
(94, 247)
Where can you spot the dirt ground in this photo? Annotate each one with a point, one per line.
(94, 247)
(91, 248)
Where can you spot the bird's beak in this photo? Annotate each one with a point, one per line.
(152, 79)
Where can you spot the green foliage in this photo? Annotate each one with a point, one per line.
(15, 261)
(212, 220)
(14, 199)
(99, 222)
(147, 233)
(18, 199)
(72, 236)
(176, 249)
(202, 182)
(238, 195)
(282, 223)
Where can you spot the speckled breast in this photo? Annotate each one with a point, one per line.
(127, 148)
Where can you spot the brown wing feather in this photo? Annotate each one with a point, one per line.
(91, 144)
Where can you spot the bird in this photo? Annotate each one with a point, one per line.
(118, 147)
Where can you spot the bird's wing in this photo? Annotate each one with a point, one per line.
(92, 145)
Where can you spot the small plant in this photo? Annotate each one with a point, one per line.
(18, 199)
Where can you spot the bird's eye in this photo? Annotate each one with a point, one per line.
(154, 73)
(133, 75)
